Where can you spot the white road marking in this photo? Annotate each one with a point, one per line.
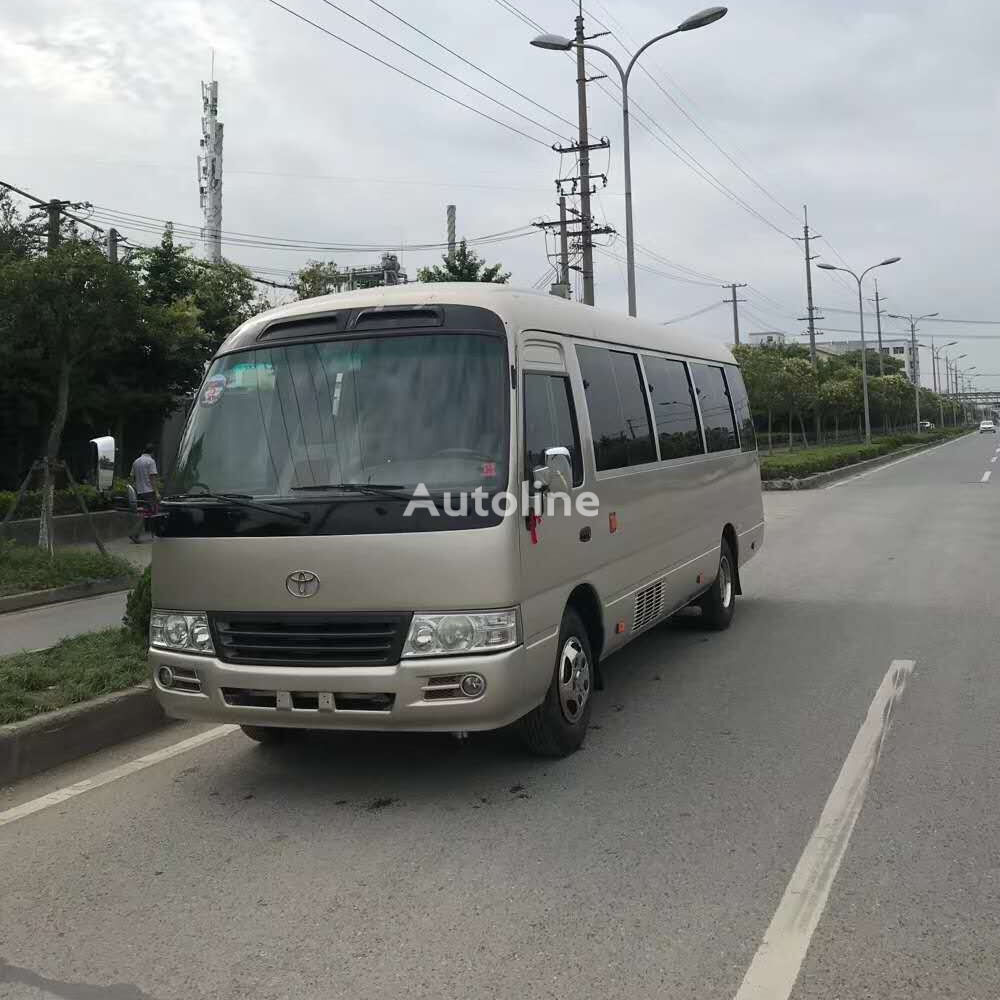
(106, 777)
(986, 477)
(775, 967)
(899, 461)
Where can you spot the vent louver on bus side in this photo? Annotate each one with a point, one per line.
(648, 606)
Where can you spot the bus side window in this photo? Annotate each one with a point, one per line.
(550, 422)
(741, 404)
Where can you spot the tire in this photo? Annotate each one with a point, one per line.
(557, 727)
(718, 603)
(268, 735)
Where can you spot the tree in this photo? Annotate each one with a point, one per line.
(226, 297)
(60, 310)
(464, 265)
(318, 278)
(762, 375)
(19, 237)
(798, 388)
(840, 398)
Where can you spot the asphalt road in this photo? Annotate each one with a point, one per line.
(709, 819)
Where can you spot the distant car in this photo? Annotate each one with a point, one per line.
(987, 427)
(926, 425)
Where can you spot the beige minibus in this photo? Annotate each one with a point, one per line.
(442, 507)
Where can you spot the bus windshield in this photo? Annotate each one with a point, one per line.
(401, 410)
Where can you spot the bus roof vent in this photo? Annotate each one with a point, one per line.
(312, 326)
(398, 316)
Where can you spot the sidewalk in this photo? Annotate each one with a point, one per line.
(39, 628)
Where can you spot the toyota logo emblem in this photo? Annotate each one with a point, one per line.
(302, 583)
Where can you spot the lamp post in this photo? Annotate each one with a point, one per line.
(913, 321)
(935, 358)
(559, 43)
(861, 318)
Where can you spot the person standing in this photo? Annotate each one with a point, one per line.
(145, 480)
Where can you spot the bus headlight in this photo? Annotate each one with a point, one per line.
(467, 632)
(182, 630)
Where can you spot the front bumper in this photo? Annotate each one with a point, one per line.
(513, 688)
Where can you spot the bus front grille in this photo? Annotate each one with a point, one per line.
(310, 639)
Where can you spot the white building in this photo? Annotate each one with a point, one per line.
(898, 347)
(766, 339)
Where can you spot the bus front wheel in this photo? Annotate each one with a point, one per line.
(557, 727)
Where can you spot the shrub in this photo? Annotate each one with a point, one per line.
(63, 502)
(139, 606)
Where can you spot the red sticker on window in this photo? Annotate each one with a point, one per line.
(213, 389)
(489, 468)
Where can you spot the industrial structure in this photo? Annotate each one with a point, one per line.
(210, 171)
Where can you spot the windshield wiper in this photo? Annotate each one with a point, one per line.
(242, 500)
(391, 490)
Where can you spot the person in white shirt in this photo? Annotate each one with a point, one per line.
(145, 479)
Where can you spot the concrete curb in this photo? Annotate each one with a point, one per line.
(72, 592)
(821, 479)
(51, 739)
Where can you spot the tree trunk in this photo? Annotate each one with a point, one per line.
(52, 447)
(802, 424)
(770, 442)
(790, 431)
(120, 452)
(836, 428)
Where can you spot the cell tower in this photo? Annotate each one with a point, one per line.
(210, 170)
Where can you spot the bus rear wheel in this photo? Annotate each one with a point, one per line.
(718, 603)
(557, 727)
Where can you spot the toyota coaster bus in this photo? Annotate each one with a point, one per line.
(439, 507)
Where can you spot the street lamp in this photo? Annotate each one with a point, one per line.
(559, 43)
(861, 317)
(913, 321)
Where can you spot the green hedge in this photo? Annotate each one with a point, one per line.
(64, 501)
(25, 568)
(798, 465)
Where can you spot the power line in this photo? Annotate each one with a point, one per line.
(409, 76)
(467, 62)
(137, 220)
(699, 312)
(433, 65)
(753, 180)
(653, 270)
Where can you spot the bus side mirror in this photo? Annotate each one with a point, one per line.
(102, 454)
(556, 475)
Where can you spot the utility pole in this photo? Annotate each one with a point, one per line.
(451, 230)
(113, 245)
(878, 319)
(210, 169)
(736, 312)
(811, 309)
(585, 216)
(563, 248)
(916, 367)
(55, 208)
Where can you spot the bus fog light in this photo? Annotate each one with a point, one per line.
(165, 677)
(473, 685)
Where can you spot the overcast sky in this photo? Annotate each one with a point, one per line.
(882, 116)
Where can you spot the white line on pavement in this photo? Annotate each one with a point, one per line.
(106, 777)
(775, 967)
(986, 477)
(899, 461)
